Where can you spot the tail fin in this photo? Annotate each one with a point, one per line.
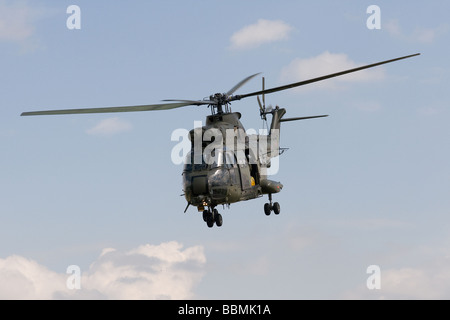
(277, 114)
(273, 143)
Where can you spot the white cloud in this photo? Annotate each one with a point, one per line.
(17, 23)
(148, 272)
(164, 271)
(262, 32)
(327, 63)
(110, 126)
(393, 28)
(418, 35)
(416, 283)
(21, 278)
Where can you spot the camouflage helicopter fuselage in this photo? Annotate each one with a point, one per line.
(237, 173)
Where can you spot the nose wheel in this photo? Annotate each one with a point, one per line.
(211, 217)
(269, 207)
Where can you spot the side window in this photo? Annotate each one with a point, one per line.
(188, 162)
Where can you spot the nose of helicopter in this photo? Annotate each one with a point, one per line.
(211, 185)
(199, 185)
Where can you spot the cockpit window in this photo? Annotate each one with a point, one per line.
(190, 163)
(214, 159)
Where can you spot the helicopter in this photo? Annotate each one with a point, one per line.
(226, 165)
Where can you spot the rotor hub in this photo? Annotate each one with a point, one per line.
(219, 98)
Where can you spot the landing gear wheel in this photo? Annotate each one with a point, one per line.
(276, 208)
(218, 219)
(210, 222)
(267, 209)
(211, 217)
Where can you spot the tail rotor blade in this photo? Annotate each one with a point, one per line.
(260, 105)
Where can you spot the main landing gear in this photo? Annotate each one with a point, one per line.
(269, 207)
(212, 216)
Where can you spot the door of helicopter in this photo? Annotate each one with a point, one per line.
(239, 171)
(244, 172)
(231, 164)
(254, 170)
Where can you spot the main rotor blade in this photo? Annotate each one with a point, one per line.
(301, 83)
(302, 118)
(150, 107)
(194, 102)
(240, 84)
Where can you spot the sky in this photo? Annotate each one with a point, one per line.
(367, 186)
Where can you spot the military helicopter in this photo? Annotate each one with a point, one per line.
(226, 165)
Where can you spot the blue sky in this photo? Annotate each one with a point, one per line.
(366, 186)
